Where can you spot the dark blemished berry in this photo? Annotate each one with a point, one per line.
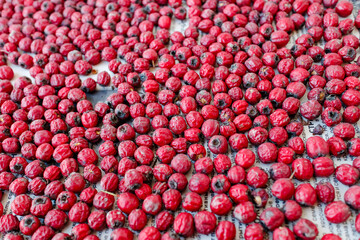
(325, 192)
(260, 197)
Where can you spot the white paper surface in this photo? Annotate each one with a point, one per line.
(315, 214)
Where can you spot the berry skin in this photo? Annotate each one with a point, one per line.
(303, 169)
(218, 144)
(305, 229)
(337, 146)
(305, 194)
(283, 189)
(283, 233)
(325, 192)
(9, 223)
(292, 210)
(357, 223)
(184, 224)
(21, 205)
(115, 219)
(79, 212)
(330, 236)
(256, 177)
(65, 200)
(267, 152)
(245, 212)
(245, 158)
(29, 224)
(347, 174)
(192, 202)
(199, 183)
(225, 231)
(56, 219)
(316, 147)
(272, 218)
(164, 220)
(351, 198)
(221, 204)
(137, 219)
(152, 204)
(43, 232)
(254, 231)
(122, 233)
(40, 206)
(149, 232)
(205, 222)
(311, 109)
(337, 212)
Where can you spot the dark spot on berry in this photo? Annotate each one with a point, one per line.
(318, 58)
(110, 7)
(114, 120)
(266, 110)
(333, 115)
(310, 41)
(23, 65)
(294, 49)
(318, 130)
(218, 23)
(221, 103)
(135, 79)
(6, 132)
(215, 142)
(251, 112)
(218, 185)
(18, 167)
(355, 74)
(181, 56)
(234, 47)
(40, 200)
(268, 31)
(112, 26)
(52, 49)
(275, 103)
(350, 53)
(327, 50)
(193, 62)
(277, 59)
(29, 222)
(118, 224)
(64, 198)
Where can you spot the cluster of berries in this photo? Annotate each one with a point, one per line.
(183, 102)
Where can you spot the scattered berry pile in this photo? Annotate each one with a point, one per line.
(183, 102)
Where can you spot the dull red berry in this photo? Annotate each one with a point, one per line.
(337, 212)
